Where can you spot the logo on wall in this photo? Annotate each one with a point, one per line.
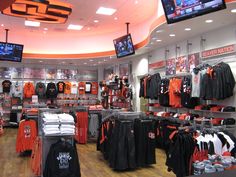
(46, 11)
(64, 158)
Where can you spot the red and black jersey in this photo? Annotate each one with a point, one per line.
(164, 92)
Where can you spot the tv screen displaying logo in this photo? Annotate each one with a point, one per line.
(11, 52)
(178, 10)
(124, 46)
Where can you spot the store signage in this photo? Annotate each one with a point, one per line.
(156, 65)
(219, 51)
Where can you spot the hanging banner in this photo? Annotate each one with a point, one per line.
(218, 51)
(157, 65)
(193, 61)
(181, 64)
(170, 66)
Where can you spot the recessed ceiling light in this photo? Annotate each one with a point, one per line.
(85, 63)
(88, 28)
(115, 18)
(136, 2)
(2, 25)
(63, 62)
(95, 21)
(158, 40)
(45, 29)
(91, 60)
(105, 11)
(151, 43)
(40, 61)
(172, 35)
(209, 21)
(154, 38)
(187, 29)
(74, 27)
(233, 10)
(32, 23)
(159, 31)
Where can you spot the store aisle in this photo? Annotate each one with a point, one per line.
(91, 161)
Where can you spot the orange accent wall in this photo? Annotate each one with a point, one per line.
(159, 21)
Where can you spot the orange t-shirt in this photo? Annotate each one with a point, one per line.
(174, 92)
(67, 88)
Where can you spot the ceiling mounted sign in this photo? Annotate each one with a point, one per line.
(51, 11)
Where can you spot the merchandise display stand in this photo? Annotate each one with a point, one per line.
(48, 140)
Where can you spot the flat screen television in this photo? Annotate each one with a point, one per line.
(178, 10)
(11, 52)
(124, 46)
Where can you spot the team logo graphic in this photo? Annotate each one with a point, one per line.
(27, 131)
(45, 11)
(64, 159)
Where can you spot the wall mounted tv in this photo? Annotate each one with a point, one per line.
(124, 46)
(11, 52)
(178, 10)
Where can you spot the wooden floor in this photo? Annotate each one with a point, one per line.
(92, 163)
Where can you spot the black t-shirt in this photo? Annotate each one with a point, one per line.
(60, 87)
(6, 86)
(164, 92)
(51, 90)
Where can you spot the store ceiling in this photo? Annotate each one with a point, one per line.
(57, 39)
(51, 38)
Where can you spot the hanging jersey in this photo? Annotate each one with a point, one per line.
(186, 90)
(67, 88)
(174, 92)
(40, 89)
(61, 87)
(74, 89)
(51, 90)
(17, 90)
(6, 86)
(81, 88)
(196, 82)
(29, 90)
(94, 88)
(164, 92)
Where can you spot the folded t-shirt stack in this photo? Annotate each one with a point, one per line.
(67, 124)
(58, 124)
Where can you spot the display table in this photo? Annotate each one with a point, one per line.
(228, 173)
